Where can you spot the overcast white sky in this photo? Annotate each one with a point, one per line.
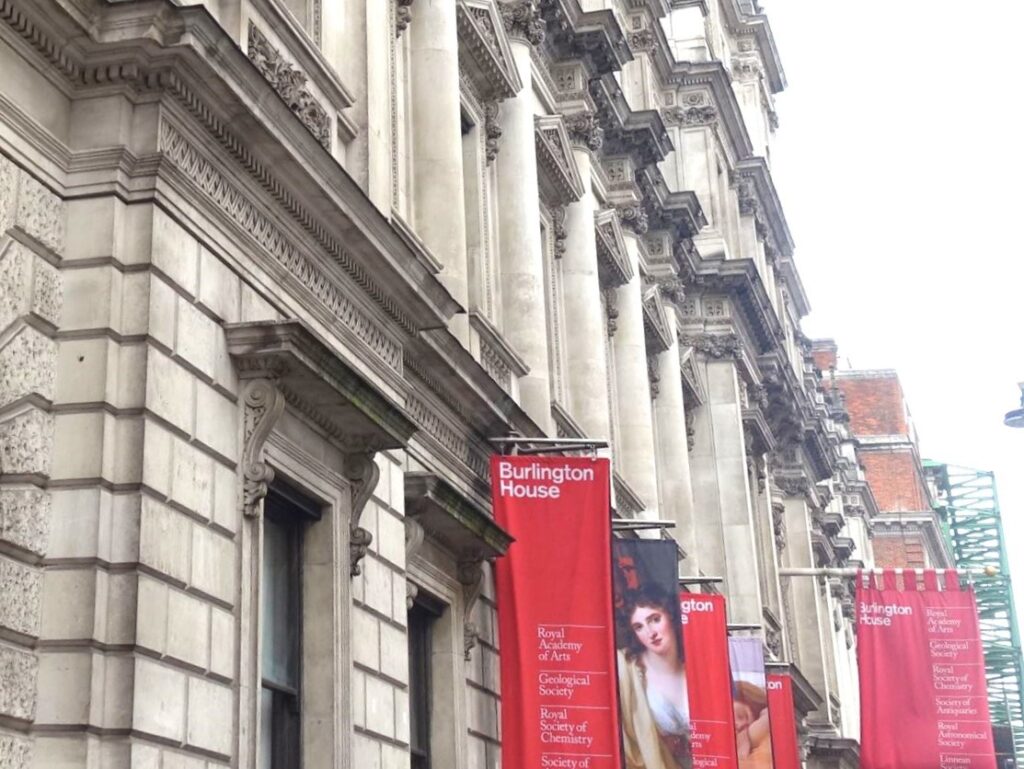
(900, 168)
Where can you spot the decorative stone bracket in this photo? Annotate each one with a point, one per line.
(287, 363)
(559, 178)
(613, 264)
(436, 508)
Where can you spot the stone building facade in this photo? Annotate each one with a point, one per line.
(273, 273)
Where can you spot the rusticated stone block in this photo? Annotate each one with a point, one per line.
(27, 285)
(26, 443)
(18, 670)
(25, 518)
(15, 752)
(27, 366)
(20, 588)
(27, 204)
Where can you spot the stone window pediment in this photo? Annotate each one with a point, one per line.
(656, 326)
(484, 52)
(449, 516)
(613, 263)
(317, 382)
(560, 182)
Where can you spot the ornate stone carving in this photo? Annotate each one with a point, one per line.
(26, 443)
(690, 116)
(773, 640)
(18, 670)
(25, 518)
(414, 537)
(20, 585)
(611, 310)
(492, 130)
(793, 486)
(746, 195)
(290, 85)
(584, 129)
(653, 377)
(522, 20)
(362, 472)
(779, 525)
(558, 230)
(433, 425)
(471, 577)
(672, 288)
(713, 345)
(691, 431)
(642, 40)
(262, 405)
(283, 248)
(403, 16)
(634, 217)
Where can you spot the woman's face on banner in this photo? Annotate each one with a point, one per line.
(653, 629)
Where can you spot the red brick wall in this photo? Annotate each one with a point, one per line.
(876, 405)
(824, 359)
(899, 552)
(893, 477)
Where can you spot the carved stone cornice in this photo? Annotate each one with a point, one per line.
(522, 20)
(707, 98)
(452, 518)
(584, 130)
(718, 346)
(691, 116)
(640, 134)
(403, 16)
(592, 37)
(290, 84)
(559, 179)
(680, 212)
(613, 265)
(484, 52)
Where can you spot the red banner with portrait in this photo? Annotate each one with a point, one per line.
(554, 590)
(924, 702)
(782, 714)
(706, 643)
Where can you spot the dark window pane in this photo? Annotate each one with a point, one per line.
(281, 609)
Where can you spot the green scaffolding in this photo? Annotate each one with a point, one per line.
(967, 502)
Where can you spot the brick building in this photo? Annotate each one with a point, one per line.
(907, 532)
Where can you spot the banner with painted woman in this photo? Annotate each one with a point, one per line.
(750, 702)
(653, 697)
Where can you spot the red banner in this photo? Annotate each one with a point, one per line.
(706, 642)
(924, 703)
(555, 614)
(782, 713)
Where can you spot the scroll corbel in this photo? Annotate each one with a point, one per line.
(471, 577)
(362, 472)
(263, 404)
(414, 536)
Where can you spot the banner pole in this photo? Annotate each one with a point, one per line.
(847, 573)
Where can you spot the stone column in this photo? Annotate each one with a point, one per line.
(636, 419)
(439, 207)
(721, 495)
(805, 603)
(587, 370)
(522, 257)
(673, 455)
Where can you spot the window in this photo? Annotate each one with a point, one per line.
(421, 620)
(286, 514)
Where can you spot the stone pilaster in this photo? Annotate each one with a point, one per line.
(587, 370)
(439, 207)
(522, 257)
(636, 420)
(722, 499)
(673, 454)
